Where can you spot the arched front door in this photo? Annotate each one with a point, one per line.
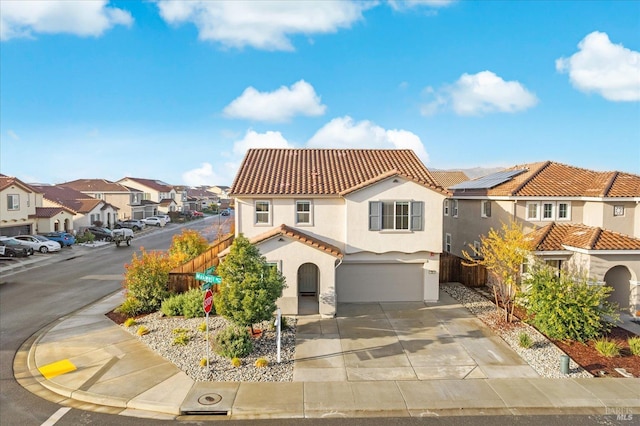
(308, 288)
(618, 277)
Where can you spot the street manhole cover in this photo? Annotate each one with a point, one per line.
(209, 399)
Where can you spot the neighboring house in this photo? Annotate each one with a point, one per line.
(88, 210)
(447, 178)
(182, 201)
(128, 200)
(202, 198)
(22, 212)
(343, 225)
(154, 191)
(223, 192)
(562, 204)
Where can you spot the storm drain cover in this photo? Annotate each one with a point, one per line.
(209, 399)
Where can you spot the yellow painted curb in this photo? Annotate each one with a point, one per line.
(50, 371)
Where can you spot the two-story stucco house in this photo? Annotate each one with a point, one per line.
(343, 225)
(158, 195)
(587, 218)
(128, 200)
(88, 210)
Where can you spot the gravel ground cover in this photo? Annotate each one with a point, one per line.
(163, 331)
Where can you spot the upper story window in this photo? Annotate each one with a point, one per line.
(146, 196)
(303, 212)
(446, 207)
(263, 212)
(395, 215)
(97, 196)
(13, 202)
(618, 210)
(549, 210)
(447, 243)
(486, 208)
(454, 208)
(135, 198)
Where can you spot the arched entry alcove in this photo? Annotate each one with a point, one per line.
(619, 278)
(308, 289)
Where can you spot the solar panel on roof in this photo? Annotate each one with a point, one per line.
(489, 181)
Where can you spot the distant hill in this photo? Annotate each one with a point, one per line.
(474, 172)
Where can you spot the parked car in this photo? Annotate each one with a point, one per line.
(153, 221)
(166, 217)
(225, 212)
(64, 238)
(134, 224)
(39, 243)
(8, 250)
(197, 214)
(99, 232)
(16, 244)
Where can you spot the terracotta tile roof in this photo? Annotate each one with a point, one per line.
(68, 197)
(555, 236)
(284, 230)
(97, 185)
(49, 212)
(550, 179)
(447, 179)
(324, 171)
(154, 184)
(7, 181)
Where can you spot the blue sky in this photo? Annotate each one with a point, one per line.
(179, 90)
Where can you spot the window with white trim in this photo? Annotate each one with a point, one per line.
(532, 211)
(454, 208)
(486, 208)
(564, 211)
(446, 207)
(13, 201)
(303, 212)
(263, 212)
(396, 215)
(548, 211)
(447, 243)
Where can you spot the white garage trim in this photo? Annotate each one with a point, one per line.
(386, 282)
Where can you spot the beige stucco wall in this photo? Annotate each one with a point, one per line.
(49, 224)
(27, 205)
(360, 238)
(626, 224)
(290, 255)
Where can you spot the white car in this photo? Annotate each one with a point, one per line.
(153, 221)
(39, 243)
(166, 217)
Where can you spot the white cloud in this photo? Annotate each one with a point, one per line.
(343, 132)
(410, 4)
(279, 105)
(266, 25)
(481, 93)
(600, 66)
(80, 17)
(204, 175)
(254, 139)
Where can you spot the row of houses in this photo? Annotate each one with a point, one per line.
(371, 225)
(39, 208)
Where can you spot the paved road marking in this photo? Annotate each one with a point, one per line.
(56, 416)
(52, 370)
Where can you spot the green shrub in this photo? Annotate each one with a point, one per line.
(142, 330)
(130, 307)
(146, 279)
(192, 302)
(233, 342)
(236, 362)
(607, 348)
(129, 322)
(634, 345)
(172, 306)
(86, 237)
(524, 340)
(182, 337)
(202, 327)
(567, 306)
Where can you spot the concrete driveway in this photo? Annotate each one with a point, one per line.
(402, 341)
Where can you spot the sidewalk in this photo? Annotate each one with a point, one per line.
(98, 366)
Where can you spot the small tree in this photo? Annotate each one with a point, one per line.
(187, 245)
(567, 305)
(502, 253)
(145, 281)
(250, 286)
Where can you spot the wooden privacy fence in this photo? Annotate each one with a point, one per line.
(452, 270)
(182, 278)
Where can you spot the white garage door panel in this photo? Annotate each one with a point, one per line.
(379, 283)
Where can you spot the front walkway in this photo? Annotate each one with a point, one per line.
(402, 341)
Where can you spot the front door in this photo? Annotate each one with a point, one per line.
(308, 279)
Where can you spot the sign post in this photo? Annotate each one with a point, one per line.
(207, 304)
(278, 327)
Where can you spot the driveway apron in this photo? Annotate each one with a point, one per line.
(402, 341)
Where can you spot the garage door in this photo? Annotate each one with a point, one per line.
(389, 282)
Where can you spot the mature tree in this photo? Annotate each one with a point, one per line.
(250, 286)
(566, 304)
(502, 253)
(187, 245)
